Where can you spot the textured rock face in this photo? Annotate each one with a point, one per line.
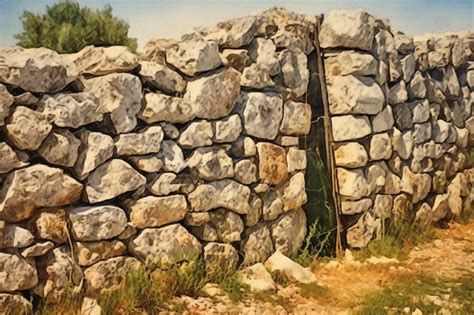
(165, 246)
(6, 100)
(227, 130)
(34, 187)
(71, 110)
(28, 128)
(14, 303)
(14, 236)
(161, 77)
(211, 163)
(261, 114)
(193, 56)
(96, 148)
(161, 107)
(214, 96)
(37, 70)
(351, 155)
(294, 68)
(60, 148)
(258, 278)
(197, 134)
(111, 180)
(145, 142)
(97, 223)
(16, 273)
(234, 33)
(289, 231)
(350, 127)
(296, 118)
(89, 253)
(272, 163)
(10, 159)
(293, 271)
(104, 60)
(220, 257)
(257, 244)
(351, 62)
(157, 211)
(51, 224)
(172, 156)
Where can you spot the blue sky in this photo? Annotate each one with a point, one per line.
(172, 18)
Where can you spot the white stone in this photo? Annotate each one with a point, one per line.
(145, 142)
(350, 62)
(258, 278)
(172, 157)
(355, 207)
(13, 236)
(350, 155)
(153, 211)
(383, 121)
(27, 128)
(350, 127)
(97, 223)
(60, 148)
(296, 118)
(10, 159)
(227, 130)
(161, 77)
(257, 244)
(289, 231)
(352, 183)
(360, 234)
(104, 60)
(398, 93)
(197, 134)
(292, 270)
(161, 107)
(193, 56)
(96, 148)
(296, 159)
(294, 68)
(380, 147)
(211, 163)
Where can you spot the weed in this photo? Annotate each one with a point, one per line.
(312, 290)
(67, 303)
(274, 299)
(280, 278)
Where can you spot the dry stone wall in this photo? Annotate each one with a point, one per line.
(402, 119)
(190, 150)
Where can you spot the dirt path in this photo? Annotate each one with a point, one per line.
(449, 256)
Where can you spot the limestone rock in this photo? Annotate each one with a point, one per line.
(382, 206)
(34, 187)
(28, 128)
(90, 306)
(352, 183)
(161, 77)
(147, 163)
(233, 33)
(245, 171)
(108, 273)
(220, 257)
(35, 69)
(14, 236)
(272, 166)
(402, 143)
(257, 244)
(296, 160)
(360, 234)
(10, 159)
(6, 100)
(155, 50)
(142, 143)
(161, 107)
(403, 43)
(350, 62)
(153, 211)
(355, 207)
(38, 249)
(89, 253)
(111, 180)
(193, 56)
(228, 129)
(60, 148)
(350, 29)
(96, 148)
(408, 66)
(354, 95)
(14, 303)
(97, 223)
(383, 121)
(289, 231)
(294, 68)
(293, 271)
(351, 155)
(224, 193)
(380, 147)
(263, 53)
(59, 275)
(421, 133)
(294, 193)
(257, 77)
(296, 118)
(172, 157)
(120, 96)
(51, 224)
(165, 246)
(261, 114)
(350, 127)
(104, 60)
(235, 58)
(398, 93)
(417, 87)
(441, 131)
(16, 273)
(418, 185)
(211, 163)
(272, 204)
(197, 218)
(227, 224)
(71, 110)
(258, 278)
(376, 174)
(244, 147)
(197, 134)
(164, 184)
(402, 207)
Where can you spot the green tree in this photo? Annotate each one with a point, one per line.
(67, 27)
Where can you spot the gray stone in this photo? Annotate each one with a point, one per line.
(289, 231)
(296, 159)
(153, 211)
(257, 244)
(211, 163)
(6, 100)
(403, 43)
(111, 180)
(245, 171)
(197, 134)
(261, 114)
(355, 207)
(193, 56)
(13, 236)
(450, 82)
(383, 121)
(382, 206)
(228, 129)
(398, 93)
(257, 77)
(161, 77)
(164, 184)
(97, 223)
(350, 62)
(294, 68)
(161, 107)
(272, 204)
(294, 193)
(166, 246)
(16, 273)
(34, 187)
(408, 67)
(220, 258)
(360, 234)
(416, 184)
(421, 132)
(380, 147)
(233, 33)
(263, 53)
(89, 253)
(96, 148)
(172, 157)
(376, 174)
(145, 142)
(38, 249)
(227, 224)
(71, 110)
(28, 128)
(60, 148)
(441, 131)
(350, 127)
(350, 155)
(417, 87)
(296, 118)
(10, 159)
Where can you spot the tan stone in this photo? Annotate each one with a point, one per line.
(272, 163)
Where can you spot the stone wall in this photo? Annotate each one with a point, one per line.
(188, 150)
(401, 113)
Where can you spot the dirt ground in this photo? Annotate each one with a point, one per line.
(449, 256)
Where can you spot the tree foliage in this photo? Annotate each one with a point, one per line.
(67, 27)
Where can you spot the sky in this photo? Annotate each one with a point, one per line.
(173, 18)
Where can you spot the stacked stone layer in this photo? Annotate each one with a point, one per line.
(402, 120)
(112, 160)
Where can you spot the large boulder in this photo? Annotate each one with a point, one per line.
(104, 60)
(261, 114)
(193, 56)
(153, 211)
(163, 247)
(34, 187)
(36, 69)
(28, 128)
(354, 95)
(97, 223)
(349, 29)
(111, 180)
(16, 273)
(120, 96)
(214, 96)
